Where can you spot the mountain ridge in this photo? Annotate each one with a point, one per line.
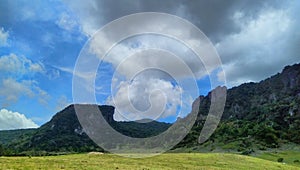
(64, 133)
(257, 116)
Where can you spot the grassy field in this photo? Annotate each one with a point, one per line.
(164, 161)
(288, 157)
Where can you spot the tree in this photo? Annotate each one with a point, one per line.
(1, 150)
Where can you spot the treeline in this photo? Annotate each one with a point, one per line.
(8, 151)
(244, 136)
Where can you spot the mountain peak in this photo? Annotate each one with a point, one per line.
(289, 68)
(106, 110)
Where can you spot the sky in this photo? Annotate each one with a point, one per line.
(40, 42)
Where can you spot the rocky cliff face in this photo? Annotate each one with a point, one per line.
(263, 114)
(249, 101)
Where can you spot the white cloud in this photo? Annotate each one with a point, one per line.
(86, 78)
(146, 98)
(19, 65)
(53, 73)
(3, 37)
(90, 24)
(106, 39)
(260, 49)
(254, 40)
(13, 85)
(11, 90)
(133, 57)
(62, 102)
(139, 53)
(66, 22)
(42, 96)
(152, 95)
(14, 120)
(84, 75)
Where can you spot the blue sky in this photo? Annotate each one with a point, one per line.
(36, 32)
(41, 40)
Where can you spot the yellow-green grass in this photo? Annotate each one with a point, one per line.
(164, 161)
(289, 157)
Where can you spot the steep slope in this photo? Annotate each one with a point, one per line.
(7, 136)
(256, 116)
(64, 133)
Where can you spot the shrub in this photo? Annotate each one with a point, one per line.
(1, 150)
(280, 160)
(247, 152)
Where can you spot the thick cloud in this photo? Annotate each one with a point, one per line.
(136, 55)
(154, 51)
(146, 98)
(214, 17)
(248, 34)
(263, 46)
(14, 120)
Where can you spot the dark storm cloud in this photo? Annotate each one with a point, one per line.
(255, 39)
(213, 17)
(239, 29)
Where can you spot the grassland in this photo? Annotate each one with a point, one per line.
(288, 157)
(164, 161)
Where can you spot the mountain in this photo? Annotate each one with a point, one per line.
(257, 116)
(64, 133)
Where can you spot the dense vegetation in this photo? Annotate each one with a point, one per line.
(64, 134)
(7, 136)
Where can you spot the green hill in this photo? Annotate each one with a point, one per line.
(63, 133)
(257, 116)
